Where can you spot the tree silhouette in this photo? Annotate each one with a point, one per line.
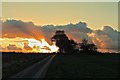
(85, 46)
(65, 45)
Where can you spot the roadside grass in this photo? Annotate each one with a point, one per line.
(13, 63)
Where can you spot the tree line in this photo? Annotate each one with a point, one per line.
(67, 46)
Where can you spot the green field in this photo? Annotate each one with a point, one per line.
(84, 66)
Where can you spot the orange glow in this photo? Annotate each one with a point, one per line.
(26, 45)
(97, 40)
(108, 50)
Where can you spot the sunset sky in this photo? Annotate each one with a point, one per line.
(85, 18)
(94, 14)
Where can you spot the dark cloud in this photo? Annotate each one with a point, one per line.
(13, 47)
(18, 28)
(26, 47)
(105, 38)
(74, 31)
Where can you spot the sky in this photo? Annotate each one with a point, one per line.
(95, 14)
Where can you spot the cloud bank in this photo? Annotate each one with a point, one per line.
(105, 38)
(18, 28)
